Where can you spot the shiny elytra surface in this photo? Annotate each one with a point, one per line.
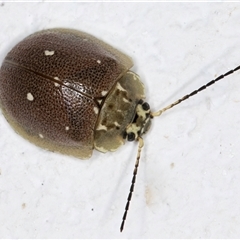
(51, 84)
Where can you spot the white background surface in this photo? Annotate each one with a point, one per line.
(188, 184)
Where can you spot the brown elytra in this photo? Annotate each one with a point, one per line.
(68, 91)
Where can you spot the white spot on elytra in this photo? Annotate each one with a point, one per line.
(99, 101)
(95, 109)
(48, 53)
(66, 128)
(40, 135)
(98, 61)
(104, 93)
(30, 97)
(55, 83)
(125, 100)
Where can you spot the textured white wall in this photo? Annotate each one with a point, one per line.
(188, 183)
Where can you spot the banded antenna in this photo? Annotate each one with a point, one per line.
(156, 114)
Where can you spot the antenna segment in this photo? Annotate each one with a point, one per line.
(140, 146)
(156, 114)
(194, 92)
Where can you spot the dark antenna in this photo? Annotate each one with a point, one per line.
(140, 146)
(156, 114)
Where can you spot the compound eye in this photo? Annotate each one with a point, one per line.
(145, 106)
(131, 136)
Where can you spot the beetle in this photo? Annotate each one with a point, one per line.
(67, 91)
